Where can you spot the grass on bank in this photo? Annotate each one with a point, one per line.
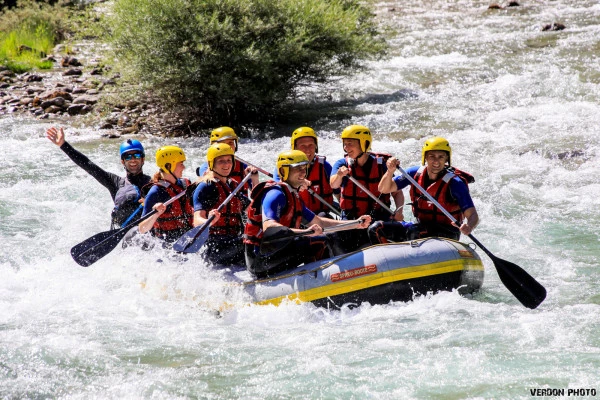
(21, 50)
(29, 32)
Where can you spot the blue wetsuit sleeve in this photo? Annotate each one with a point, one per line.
(307, 214)
(205, 197)
(155, 195)
(337, 165)
(273, 205)
(460, 192)
(401, 181)
(201, 170)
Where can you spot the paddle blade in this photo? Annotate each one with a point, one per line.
(192, 240)
(94, 248)
(522, 285)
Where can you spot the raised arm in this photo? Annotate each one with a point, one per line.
(107, 179)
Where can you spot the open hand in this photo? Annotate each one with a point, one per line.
(56, 136)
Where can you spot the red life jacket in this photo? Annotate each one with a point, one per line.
(291, 216)
(353, 200)
(230, 222)
(427, 212)
(319, 183)
(179, 216)
(237, 174)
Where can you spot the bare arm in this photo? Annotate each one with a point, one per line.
(201, 217)
(398, 196)
(336, 180)
(272, 223)
(472, 219)
(387, 184)
(364, 222)
(147, 224)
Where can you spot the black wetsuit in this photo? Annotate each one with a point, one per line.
(119, 187)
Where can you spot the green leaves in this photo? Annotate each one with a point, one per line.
(238, 60)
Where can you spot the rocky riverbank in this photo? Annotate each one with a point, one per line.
(82, 90)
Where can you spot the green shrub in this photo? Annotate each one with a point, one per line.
(240, 60)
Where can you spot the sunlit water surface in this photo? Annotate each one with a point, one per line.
(521, 109)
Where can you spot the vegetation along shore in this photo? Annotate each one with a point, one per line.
(176, 68)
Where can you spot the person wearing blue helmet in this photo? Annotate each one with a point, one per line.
(127, 192)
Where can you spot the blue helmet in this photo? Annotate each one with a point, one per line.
(131, 145)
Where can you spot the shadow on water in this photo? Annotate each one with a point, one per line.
(320, 112)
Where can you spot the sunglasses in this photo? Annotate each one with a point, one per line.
(130, 156)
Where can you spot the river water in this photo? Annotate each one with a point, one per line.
(521, 108)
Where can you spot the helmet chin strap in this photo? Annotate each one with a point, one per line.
(353, 160)
(171, 173)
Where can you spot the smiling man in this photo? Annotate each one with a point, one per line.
(367, 168)
(448, 185)
(278, 207)
(319, 171)
(126, 192)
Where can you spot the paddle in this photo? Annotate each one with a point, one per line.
(94, 248)
(194, 239)
(522, 285)
(312, 192)
(371, 195)
(282, 234)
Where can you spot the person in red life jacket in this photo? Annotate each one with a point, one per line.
(367, 168)
(224, 245)
(449, 186)
(126, 192)
(319, 172)
(169, 223)
(227, 135)
(278, 205)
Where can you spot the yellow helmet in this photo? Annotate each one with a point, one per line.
(304, 131)
(223, 133)
(218, 150)
(436, 143)
(361, 133)
(168, 156)
(290, 159)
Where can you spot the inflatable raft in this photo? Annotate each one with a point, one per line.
(377, 274)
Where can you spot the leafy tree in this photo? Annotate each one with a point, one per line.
(240, 60)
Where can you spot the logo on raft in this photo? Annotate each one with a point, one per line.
(353, 273)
